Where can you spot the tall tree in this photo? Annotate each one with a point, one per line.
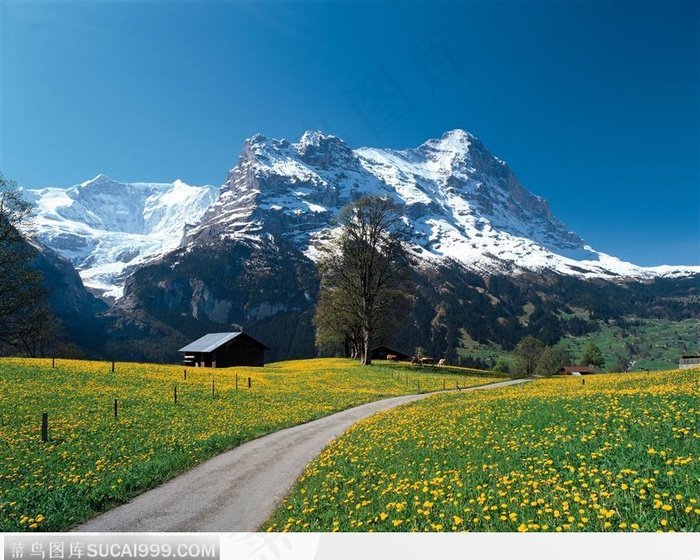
(592, 356)
(337, 325)
(23, 315)
(365, 275)
(528, 352)
(552, 360)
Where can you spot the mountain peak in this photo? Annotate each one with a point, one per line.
(314, 137)
(318, 138)
(451, 149)
(456, 141)
(100, 178)
(323, 150)
(104, 227)
(260, 145)
(457, 134)
(257, 139)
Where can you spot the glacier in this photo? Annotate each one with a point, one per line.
(105, 228)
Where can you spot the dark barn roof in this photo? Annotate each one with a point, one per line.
(210, 342)
(380, 353)
(584, 370)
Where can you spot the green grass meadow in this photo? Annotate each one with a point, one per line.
(94, 459)
(604, 453)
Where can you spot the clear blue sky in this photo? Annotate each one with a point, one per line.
(594, 105)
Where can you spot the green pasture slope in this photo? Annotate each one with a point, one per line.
(651, 344)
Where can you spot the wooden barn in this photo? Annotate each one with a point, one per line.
(381, 352)
(687, 362)
(576, 370)
(220, 350)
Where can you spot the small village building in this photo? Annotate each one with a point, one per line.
(687, 362)
(381, 352)
(576, 370)
(220, 350)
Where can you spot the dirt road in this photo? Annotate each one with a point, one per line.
(238, 490)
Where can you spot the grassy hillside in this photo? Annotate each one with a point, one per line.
(94, 460)
(616, 453)
(651, 344)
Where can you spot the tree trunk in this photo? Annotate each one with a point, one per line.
(366, 353)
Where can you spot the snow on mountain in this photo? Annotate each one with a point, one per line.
(459, 201)
(105, 228)
(292, 190)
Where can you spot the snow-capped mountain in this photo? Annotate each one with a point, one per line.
(459, 202)
(105, 228)
(477, 233)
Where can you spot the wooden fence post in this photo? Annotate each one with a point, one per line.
(53, 363)
(115, 408)
(175, 392)
(212, 387)
(44, 426)
(112, 367)
(185, 373)
(249, 383)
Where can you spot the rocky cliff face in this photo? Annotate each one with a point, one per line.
(265, 286)
(69, 300)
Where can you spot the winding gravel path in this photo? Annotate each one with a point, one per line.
(238, 490)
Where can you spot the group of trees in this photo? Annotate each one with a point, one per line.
(365, 279)
(27, 326)
(532, 357)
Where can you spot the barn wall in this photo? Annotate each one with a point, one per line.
(203, 359)
(240, 353)
(689, 362)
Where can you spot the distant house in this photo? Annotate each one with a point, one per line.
(687, 362)
(220, 350)
(381, 352)
(576, 370)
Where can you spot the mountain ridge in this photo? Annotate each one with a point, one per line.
(249, 263)
(460, 202)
